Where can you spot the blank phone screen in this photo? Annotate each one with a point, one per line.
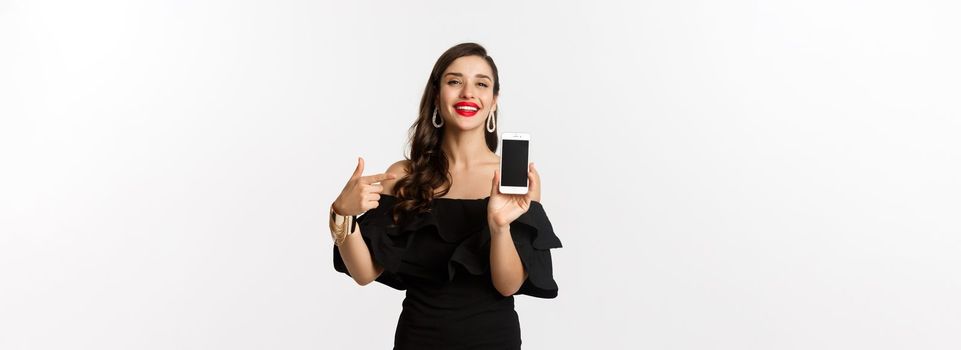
(514, 159)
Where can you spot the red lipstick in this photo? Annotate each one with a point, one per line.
(466, 109)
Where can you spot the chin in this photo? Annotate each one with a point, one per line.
(467, 126)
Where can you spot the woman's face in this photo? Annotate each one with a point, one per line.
(467, 93)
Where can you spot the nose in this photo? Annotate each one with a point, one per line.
(466, 92)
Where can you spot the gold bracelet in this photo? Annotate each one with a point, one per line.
(341, 226)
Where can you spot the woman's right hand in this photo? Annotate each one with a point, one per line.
(361, 193)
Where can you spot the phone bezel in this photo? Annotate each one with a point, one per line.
(518, 136)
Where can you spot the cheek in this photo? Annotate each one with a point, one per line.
(488, 98)
(448, 95)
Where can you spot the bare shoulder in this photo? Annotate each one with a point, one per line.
(399, 168)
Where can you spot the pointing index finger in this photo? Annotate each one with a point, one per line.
(369, 179)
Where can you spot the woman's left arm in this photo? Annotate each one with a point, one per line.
(507, 271)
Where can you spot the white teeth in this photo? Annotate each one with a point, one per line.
(466, 108)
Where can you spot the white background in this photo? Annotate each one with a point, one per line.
(723, 175)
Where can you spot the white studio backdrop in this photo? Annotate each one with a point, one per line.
(723, 175)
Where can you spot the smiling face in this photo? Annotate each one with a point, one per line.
(466, 93)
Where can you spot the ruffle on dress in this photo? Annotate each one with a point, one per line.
(453, 237)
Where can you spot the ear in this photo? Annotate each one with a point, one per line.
(494, 104)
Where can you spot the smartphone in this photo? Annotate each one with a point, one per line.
(515, 155)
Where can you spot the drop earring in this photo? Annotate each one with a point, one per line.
(491, 122)
(433, 120)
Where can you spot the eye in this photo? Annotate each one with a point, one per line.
(482, 84)
(452, 82)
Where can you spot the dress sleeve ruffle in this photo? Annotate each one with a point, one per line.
(534, 238)
(411, 249)
(377, 229)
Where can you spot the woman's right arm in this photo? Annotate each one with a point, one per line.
(361, 194)
(357, 258)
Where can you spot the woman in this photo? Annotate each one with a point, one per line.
(436, 225)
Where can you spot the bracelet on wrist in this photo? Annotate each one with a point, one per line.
(341, 226)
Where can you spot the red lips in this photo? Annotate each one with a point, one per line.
(460, 108)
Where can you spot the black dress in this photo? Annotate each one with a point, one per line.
(442, 259)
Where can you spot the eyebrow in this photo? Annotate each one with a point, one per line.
(478, 75)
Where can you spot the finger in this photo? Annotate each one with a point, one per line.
(371, 205)
(534, 177)
(359, 170)
(377, 178)
(372, 197)
(533, 188)
(535, 184)
(374, 188)
(494, 182)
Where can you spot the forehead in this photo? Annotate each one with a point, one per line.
(470, 66)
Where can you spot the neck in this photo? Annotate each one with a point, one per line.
(465, 148)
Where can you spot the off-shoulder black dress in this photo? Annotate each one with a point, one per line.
(442, 259)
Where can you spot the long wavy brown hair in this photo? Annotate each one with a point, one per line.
(427, 169)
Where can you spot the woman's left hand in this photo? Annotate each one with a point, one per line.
(503, 209)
